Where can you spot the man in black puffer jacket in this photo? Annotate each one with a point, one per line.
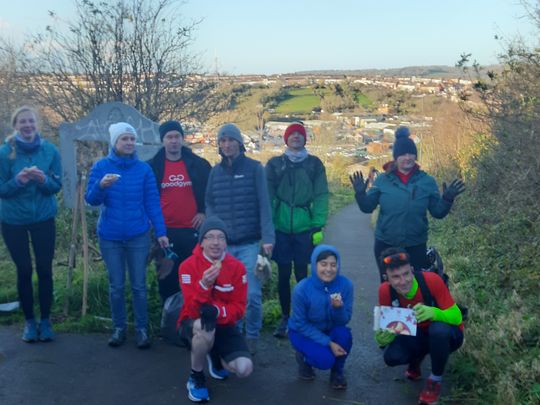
(237, 193)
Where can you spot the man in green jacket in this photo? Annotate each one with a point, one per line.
(298, 192)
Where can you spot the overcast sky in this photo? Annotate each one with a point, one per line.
(281, 36)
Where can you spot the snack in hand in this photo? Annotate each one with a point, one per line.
(335, 296)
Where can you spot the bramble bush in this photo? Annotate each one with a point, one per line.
(491, 240)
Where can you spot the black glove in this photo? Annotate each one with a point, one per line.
(209, 315)
(455, 188)
(358, 183)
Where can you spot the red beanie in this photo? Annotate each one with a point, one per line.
(296, 127)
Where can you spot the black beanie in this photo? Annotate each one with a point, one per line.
(210, 224)
(403, 143)
(170, 126)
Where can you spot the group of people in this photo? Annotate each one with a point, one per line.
(217, 220)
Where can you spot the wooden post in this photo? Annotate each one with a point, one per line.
(84, 230)
(72, 250)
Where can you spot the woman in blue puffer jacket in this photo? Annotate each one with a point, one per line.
(30, 177)
(321, 309)
(125, 188)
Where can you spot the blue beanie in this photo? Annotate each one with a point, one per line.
(403, 143)
(168, 126)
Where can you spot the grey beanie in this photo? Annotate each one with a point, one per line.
(232, 131)
(210, 224)
(403, 143)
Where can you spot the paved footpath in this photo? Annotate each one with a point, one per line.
(81, 369)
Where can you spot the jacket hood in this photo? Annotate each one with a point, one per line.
(316, 252)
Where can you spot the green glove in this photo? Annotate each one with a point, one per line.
(317, 237)
(384, 337)
(423, 313)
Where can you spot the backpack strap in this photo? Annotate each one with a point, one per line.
(426, 294)
(427, 298)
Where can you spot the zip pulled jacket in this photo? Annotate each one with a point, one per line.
(33, 202)
(402, 219)
(312, 313)
(228, 295)
(298, 193)
(238, 195)
(130, 204)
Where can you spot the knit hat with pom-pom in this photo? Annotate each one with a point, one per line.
(403, 143)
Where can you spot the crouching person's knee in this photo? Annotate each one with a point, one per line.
(393, 357)
(242, 367)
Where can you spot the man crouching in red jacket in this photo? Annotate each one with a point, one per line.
(214, 286)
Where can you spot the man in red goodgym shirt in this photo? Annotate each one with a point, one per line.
(181, 178)
(440, 327)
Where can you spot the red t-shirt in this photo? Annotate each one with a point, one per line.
(177, 199)
(439, 291)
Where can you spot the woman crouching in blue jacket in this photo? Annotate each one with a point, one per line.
(321, 309)
(125, 188)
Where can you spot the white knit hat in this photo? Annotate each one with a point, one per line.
(118, 129)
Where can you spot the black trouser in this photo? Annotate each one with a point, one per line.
(417, 256)
(439, 341)
(17, 239)
(284, 283)
(183, 241)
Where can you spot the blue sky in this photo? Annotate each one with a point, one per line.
(279, 36)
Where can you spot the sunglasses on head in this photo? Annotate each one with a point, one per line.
(396, 257)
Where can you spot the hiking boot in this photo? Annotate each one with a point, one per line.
(46, 333)
(413, 372)
(281, 329)
(305, 371)
(215, 368)
(143, 341)
(338, 380)
(252, 345)
(196, 387)
(430, 393)
(118, 337)
(30, 333)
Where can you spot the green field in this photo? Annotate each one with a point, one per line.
(301, 101)
(363, 100)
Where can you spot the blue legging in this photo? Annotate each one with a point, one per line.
(439, 341)
(320, 356)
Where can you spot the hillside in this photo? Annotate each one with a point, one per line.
(432, 71)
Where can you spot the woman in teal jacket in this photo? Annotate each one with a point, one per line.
(404, 194)
(30, 174)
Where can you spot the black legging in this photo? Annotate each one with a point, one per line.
(417, 256)
(284, 284)
(42, 236)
